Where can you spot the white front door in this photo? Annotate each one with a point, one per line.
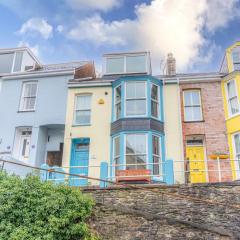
(24, 147)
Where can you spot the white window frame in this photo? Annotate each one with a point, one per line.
(235, 62)
(13, 63)
(158, 100)
(21, 109)
(125, 63)
(87, 109)
(200, 104)
(230, 115)
(125, 100)
(236, 164)
(125, 153)
(115, 102)
(160, 166)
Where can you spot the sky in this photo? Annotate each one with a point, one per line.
(197, 32)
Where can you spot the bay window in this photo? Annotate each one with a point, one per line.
(237, 150)
(233, 105)
(82, 113)
(192, 105)
(136, 151)
(28, 98)
(154, 100)
(136, 100)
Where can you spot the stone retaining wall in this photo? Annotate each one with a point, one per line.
(207, 211)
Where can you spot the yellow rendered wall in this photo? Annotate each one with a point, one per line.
(173, 129)
(98, 131)
(232, 123)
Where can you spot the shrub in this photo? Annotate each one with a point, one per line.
(35, 210)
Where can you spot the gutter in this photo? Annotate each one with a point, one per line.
(38, 74)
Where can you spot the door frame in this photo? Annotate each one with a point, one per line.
(202, 137)
(77, 141)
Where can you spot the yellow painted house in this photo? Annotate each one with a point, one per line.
(231, 95)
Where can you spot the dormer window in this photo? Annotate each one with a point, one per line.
(127, 63)
(6, 62)
(236, 59)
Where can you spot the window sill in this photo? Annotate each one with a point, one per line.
(233, 116)
(25, 111)
(195, 121)
(82, 125)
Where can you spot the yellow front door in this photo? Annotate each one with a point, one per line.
(195, 155)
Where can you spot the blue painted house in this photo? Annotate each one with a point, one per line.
(33, 100)
(137, 127)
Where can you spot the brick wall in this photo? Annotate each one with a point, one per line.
(213, 126)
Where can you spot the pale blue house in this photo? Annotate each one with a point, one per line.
(33, 101)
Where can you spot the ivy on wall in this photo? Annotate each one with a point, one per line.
(35, 210)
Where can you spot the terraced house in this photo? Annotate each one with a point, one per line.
(231, 93)
(33, 107)
(118, 120)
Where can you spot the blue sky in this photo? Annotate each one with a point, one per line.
(197, 32)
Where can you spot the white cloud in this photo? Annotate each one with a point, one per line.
(101, 5)
(60, 28)
(163, 26)
(37, 25)
(35, 48)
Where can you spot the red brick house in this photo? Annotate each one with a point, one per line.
(203, 128)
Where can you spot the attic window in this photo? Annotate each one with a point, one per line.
(126, 63)
(6, 61)
(236, 59)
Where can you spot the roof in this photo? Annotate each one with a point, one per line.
(125, 53)
(60, 66)
(9, 50)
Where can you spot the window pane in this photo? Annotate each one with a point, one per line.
(116, 146)
(118, 94)
(135, 90)
(154, 92)
(236, 57)
(118, 111)
(115, 65)
(30, 89)
(234, 105)
(156, 161)
(196, 113)
(6, 62)
(136, 63)
(237, 143)
(188, 114)
(154, 107)
(236, 66)
(231, 89)
(195, 98)
(136, 162)
(83, 102)
(135, 107)
(18, 62)
(136, 144)
(82, 117)
(156, 150)
(187, 98)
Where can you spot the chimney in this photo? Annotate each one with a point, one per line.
(171, 64)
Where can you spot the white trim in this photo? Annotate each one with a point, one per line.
(125, 100)
(230, 115)
(75, 109)
(158, 102)
(21, 109)
(113, 153)
(160, 154)
(200, 104)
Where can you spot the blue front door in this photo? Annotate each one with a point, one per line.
(79, 161)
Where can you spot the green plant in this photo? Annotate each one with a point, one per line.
(35, 210)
